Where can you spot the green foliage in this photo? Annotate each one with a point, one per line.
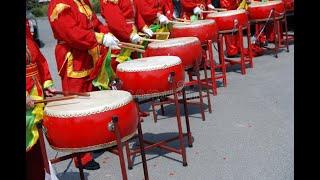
(40, 10)
(96, 5)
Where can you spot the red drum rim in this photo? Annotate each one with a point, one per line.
(93, 148)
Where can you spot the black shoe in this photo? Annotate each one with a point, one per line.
(92, 165)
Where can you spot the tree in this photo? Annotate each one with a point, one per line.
(30, 4)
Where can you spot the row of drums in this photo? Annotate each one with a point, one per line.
(80, 124)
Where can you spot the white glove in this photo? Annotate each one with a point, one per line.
(210, 6)
(197, 10)
(109, 40)
(163, 19)
(148, 32)
(135, 38)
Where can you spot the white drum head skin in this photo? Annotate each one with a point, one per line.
(180, 41)
(149, 64)
(226, 13)
(261, 4)
(97, 102)
(194, 24)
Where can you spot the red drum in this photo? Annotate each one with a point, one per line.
(289, 4)
(261, 10)
(188, 49)
(227, 20)
(202, 29)
(148, 77)
(81, 124)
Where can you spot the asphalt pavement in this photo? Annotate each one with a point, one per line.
(248, 136)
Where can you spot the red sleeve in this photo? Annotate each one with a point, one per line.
(98, 26)
(168, 9)
(67, 29)
(147, 10)
(208, 2)
(139, 21)
(188, 5)
(116, 21)
(228, 4)
(42, 64)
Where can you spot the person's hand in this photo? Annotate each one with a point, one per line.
(109, 40)
(148, 32)
(163, 19)
(29, 102)
(135, 38)
(210, 6)
(197, 10)
(49, 92)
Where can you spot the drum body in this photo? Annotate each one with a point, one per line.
(148, 77)
(81, 124)
(226, 20)
(202, 29)
(188, 49)
(261, 10)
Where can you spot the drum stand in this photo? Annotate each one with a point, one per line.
(114, 127)
(211, 82)
(195, 70)
(277, 30)
(243, 58)
(163, 144)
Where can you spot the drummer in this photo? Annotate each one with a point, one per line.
(38, 84)
(232, 41)
(153, 11)
(269, 34)
(124, 21)
(81, 39)
(192, 8)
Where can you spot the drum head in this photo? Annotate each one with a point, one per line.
(98, 101)
(226, 13)
(194, 24)
(180, 41)
(149, 64)
(261, 4)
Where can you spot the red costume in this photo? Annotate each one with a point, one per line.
(187, 7)
(150, 8)
(122, 17)
(37, 78)
(79, 34)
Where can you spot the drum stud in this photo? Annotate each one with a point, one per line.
(170, 77)
(111, 126)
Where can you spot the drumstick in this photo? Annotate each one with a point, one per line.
(161, 33)
(72, 93)
(55, 99)
(155, 33)
(184, 20)
(209, 11)
(220, 9)
(133, 45)
(177, 22)
(132, 48)
(152, 40)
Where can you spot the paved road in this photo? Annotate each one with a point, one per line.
(249, 135)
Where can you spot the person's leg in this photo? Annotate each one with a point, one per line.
(34, 163)
(231, 45)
